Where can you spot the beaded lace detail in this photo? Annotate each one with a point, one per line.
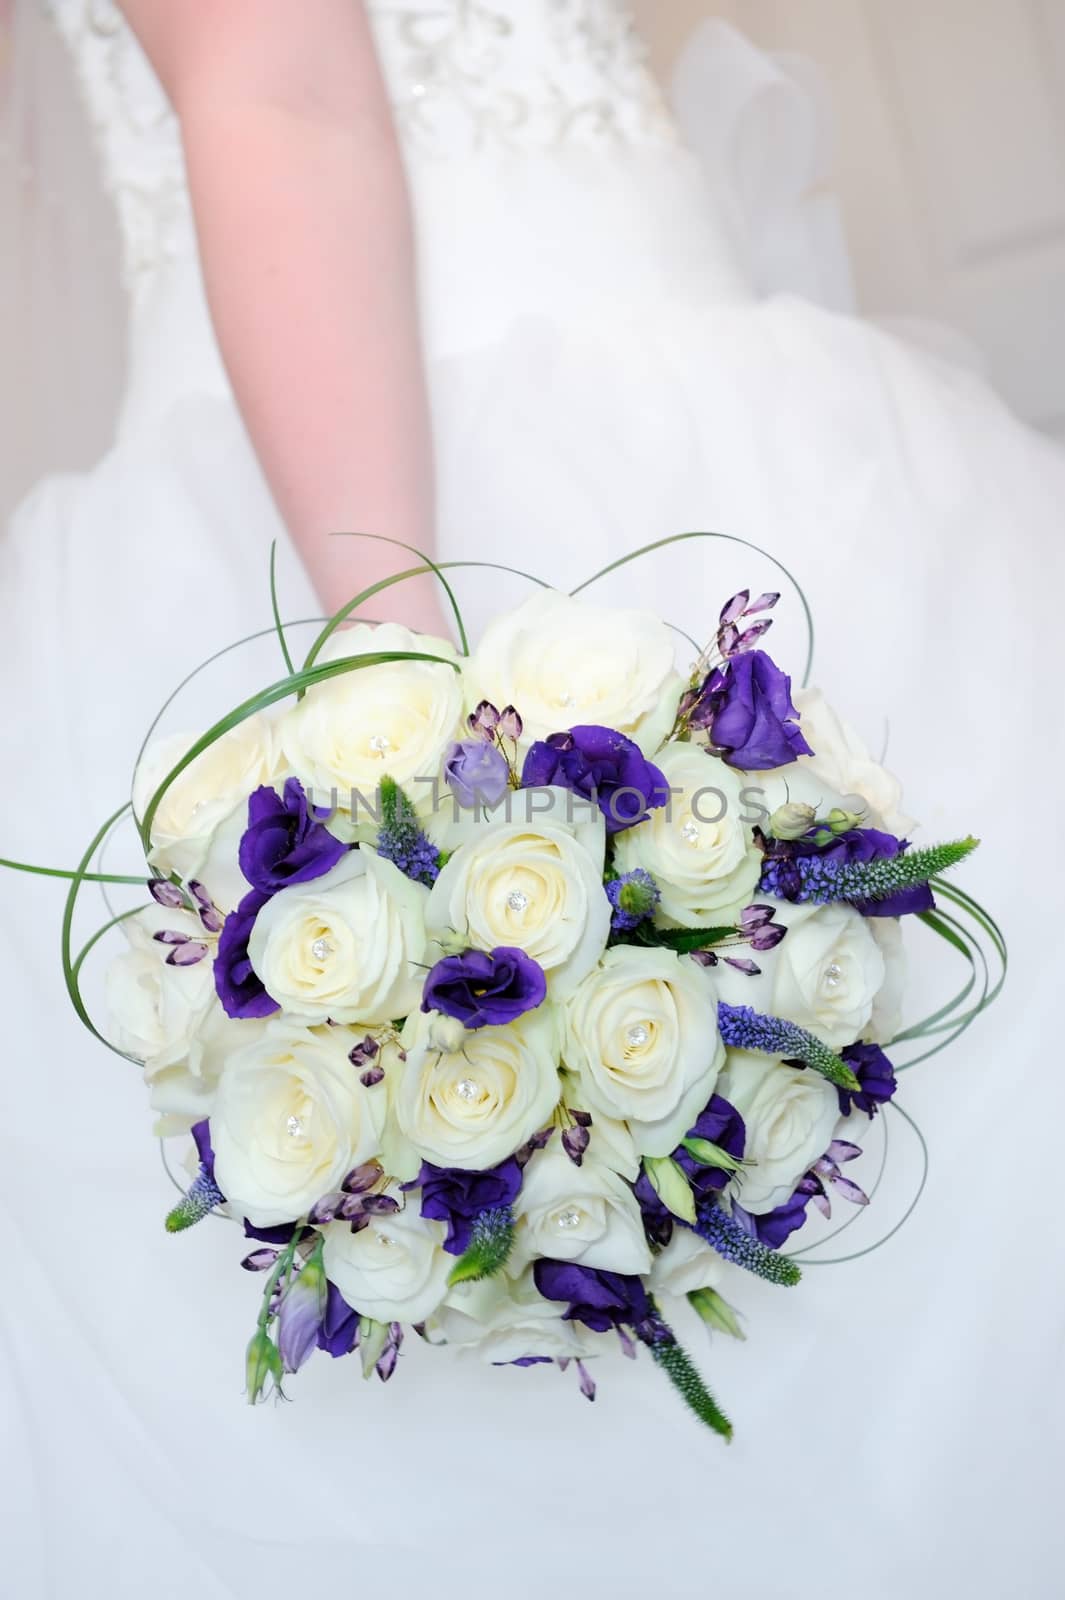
(467, 76)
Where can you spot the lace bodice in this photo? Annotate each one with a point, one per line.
(468, 78)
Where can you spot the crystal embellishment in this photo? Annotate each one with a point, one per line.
(690, 831)
(321, 949)
(517, 901)
(294, 1128)
(467, 1089)
(568, 1219)
(637, 1035)
(833, 973)
(380, 744)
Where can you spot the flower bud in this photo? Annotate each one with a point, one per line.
(446, 1033)
(373, 1337)
(301, 1312)
(792, 820)
(842, 821)
(263, 1366)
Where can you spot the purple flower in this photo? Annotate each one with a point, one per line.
(601, 1300)
(339, 1327)
(601, 766)
(458, 1198)
(875, 1074)
(751, 716)
(485, 988)
(719, 1123)
(477, 773)
(300, 1314)
(283, 843)
(772, 1228)
(634, 897)
(237, 984)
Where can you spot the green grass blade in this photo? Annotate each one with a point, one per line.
(380, 538)
(282, 641)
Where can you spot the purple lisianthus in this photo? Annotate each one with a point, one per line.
(283, 843)
(774, 1227)
(237, 984)
(870, 844)
(604, 768)
(719, 1123)
(751, 717)
(601, 1300)
(477, 773)
(485, 988)
(339, 1327)
(875, 1074)
(458, 1198)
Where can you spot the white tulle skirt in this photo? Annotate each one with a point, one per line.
(898, 1418)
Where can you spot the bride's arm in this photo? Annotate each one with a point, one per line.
(306, 241)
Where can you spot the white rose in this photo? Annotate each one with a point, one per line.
(841, 759)
(886, 1018)
(506, 1320)
(205, 795)
(563, 662)
(290, 1121)
(535, 885)
(393, 1270)
(396, 719)
(474, 1108)
(641, 1032)
(170, 1019)
(685, 1265)
(345, 947)
(790, 1117)
(585, 1214)
(698, 848)
(825, 974)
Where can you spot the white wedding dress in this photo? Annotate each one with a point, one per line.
(603, 373)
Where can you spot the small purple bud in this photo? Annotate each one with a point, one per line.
(850, 1191)
(484, 720)
(823, 1203)
(750, 969)
(168, 936)
(764, 602)
(528, 1150)
(363, 1053)
(372, 1077)
(727, 639)
(350, 1208)
(510, 724)
(688, 702)
(259, 1260)
(166, 894)
(587, 1381)
(363, 1178)
(767, 938)
(628, 1346)
(327, 1209)
(704, 958)
(386, 1361)
(380, 1205)
(843, 1150)
(751, 635)
(575, 1143)
(186, 955)
(210, 915)
(301, 1312)
(583, 1119)
(752, 917)
(733, 609)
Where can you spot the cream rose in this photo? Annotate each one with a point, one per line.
(205, 796)
(641, 1033)
(473, 1108)
(535, 885)
(396, 719)
(585, 1214)
(509, 1320)
(290, 1121)
(699, 848)
(563, 662)
(825, 974)
(790, 1116)
(686, 1265)
(346, 947)
(841, 759)
(393, 1270)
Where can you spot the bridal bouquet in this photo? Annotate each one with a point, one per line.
(511, 996)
